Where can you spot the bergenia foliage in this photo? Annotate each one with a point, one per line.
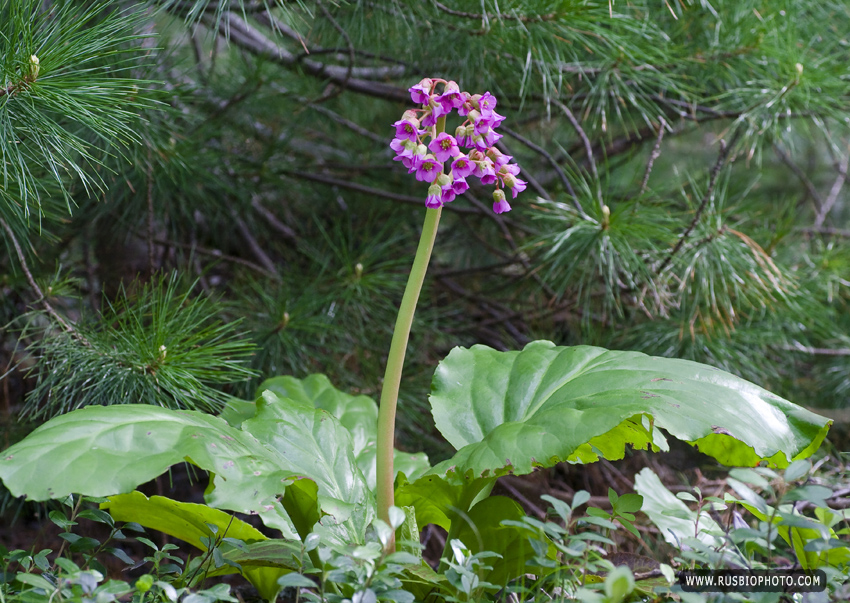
(446, 161)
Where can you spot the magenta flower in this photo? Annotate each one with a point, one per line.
(421, 92)
(499, 158)
(490, 137)
(433, 200)
(463, 135)
(460, 186)
(500, 204)
(462, 166)
(444, 146)
(486, 104)
(407, 129)
(518, 187)
(484, 170)
(428, 169)
(451, 98)
(476, 136)
(448, 194)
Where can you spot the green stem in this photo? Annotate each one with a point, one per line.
(395, 363)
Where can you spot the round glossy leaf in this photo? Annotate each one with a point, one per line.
(548, 404)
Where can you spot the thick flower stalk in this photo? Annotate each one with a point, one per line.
(444, 162)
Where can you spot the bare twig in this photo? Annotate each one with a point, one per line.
(500, 15)
(253, 244)
(588, 148)
(786, 159)
(218, 254)
(360, 79)
(532, 181)
(350, 46)
(817, 351)
(656, 151)
(151, 254)
(42, 299)
(374, 191)
(835, 232)
(273, 220)
(830, 200)
(712, 180)
(557, 167)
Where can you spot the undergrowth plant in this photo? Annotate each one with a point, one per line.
(319, 465)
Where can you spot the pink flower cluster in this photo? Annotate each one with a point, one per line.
(477, 135)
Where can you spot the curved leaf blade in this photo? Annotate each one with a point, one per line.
(358, 414)
(102, 451)
(547, 404)
(313, 443)
(188, 522)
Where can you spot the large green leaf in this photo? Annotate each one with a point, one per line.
(190, 523)
(101, 451)
(313, 443)
(546, 404)
(440, 500)
(358, 414)
(481, 529)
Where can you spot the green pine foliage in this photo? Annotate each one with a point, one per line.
(244, 146)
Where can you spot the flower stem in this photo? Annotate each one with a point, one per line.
(395, 363)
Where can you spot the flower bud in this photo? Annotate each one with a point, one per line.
(34, 66)
(358, 270)
(500, 204)
(410, 115)
(421, 150)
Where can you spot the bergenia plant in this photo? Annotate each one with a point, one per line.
(437, 158)
(318, 465)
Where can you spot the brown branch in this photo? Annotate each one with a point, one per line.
(506, 17)
(830, 200)
(786, 159)
(656, 151)
(712, 181)
(374, 191)
(558, 169)
(835, 232)
(253, 244)
(42, 299)
(588, 148)
(817, 351)
(218, 254)
(273, 220)
(151, 254)
(350, 46)
(246, 36)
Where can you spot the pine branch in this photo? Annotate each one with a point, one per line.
(715, 171)
(499, 16)
(656, 151)
(361, 79)
(588, 148)
(41, 298)
(830, 200)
